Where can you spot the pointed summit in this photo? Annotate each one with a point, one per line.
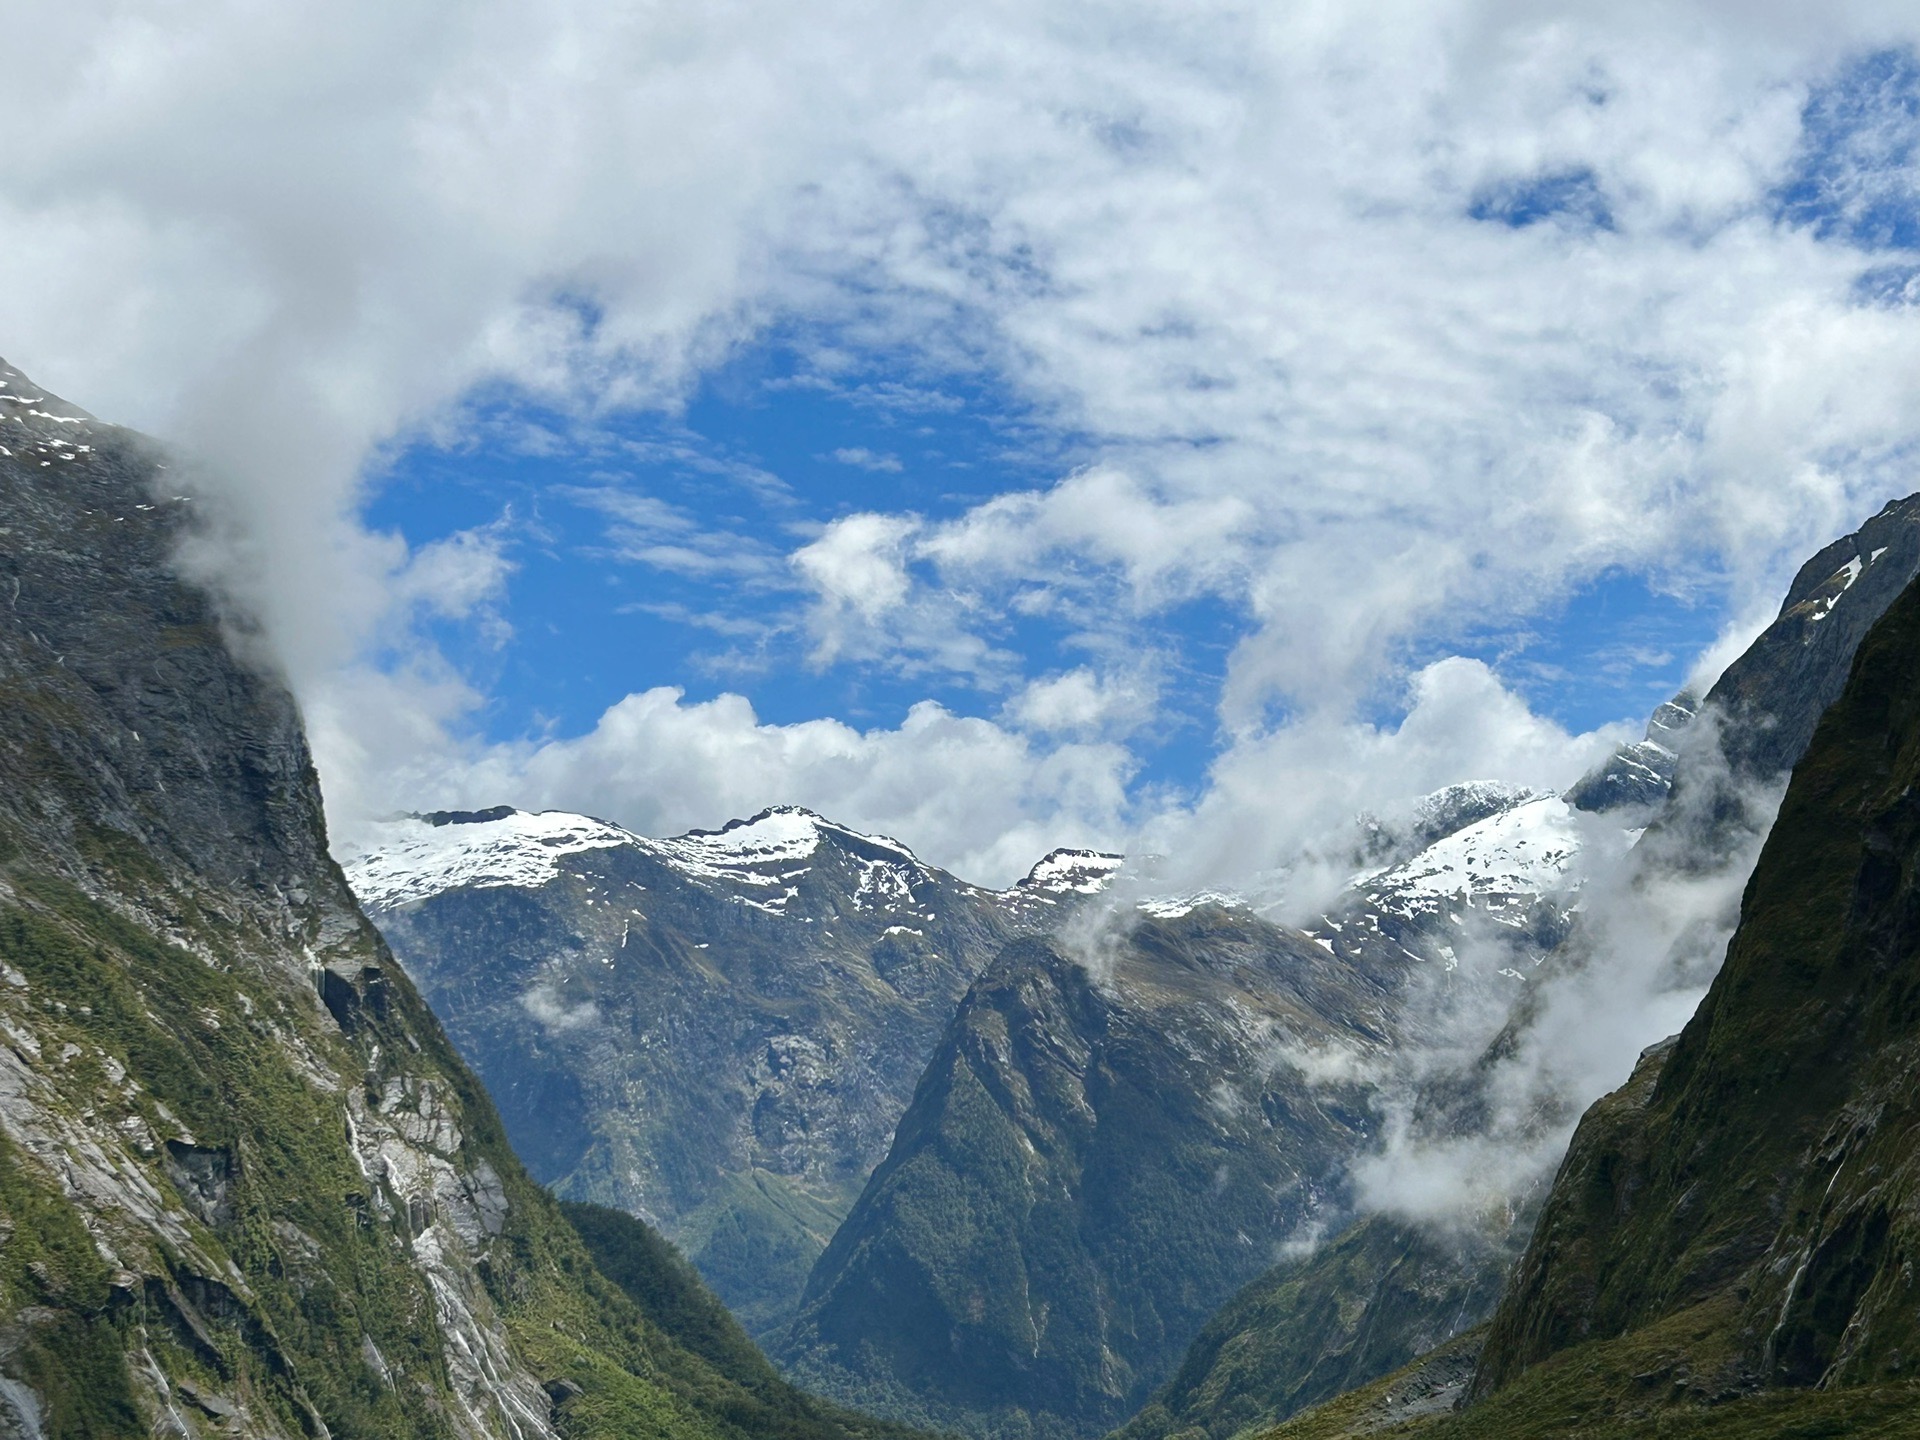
(1070, 871)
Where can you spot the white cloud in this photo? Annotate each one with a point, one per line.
(970, 795)
(1233, 247)
(1276, 815)
(1104, 518)
(648, 531)
(858, 567)
(864, 459)
(455, 576)
(544, 1002)
(1084, 702)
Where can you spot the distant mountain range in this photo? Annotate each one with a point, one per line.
(1034, 1162)
(963, 1174)
(717, 1031)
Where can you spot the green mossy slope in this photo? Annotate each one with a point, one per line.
(246, 1186)
(1633, 1388)
(1774, 1164)
(1364, 1304)
(715, 1365)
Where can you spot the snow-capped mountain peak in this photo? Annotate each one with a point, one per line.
(417, 856)
(782, 835)
(1072, 872)
(1519, 852)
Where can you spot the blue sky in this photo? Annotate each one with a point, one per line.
(1163, 425)
(767, 452)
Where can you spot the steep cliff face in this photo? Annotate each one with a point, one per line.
(1766, 703)
(1768, 1171)
(717, 1031)
(1094, 1160)
(246, 1187)
(1776, 692)
(1700, 782)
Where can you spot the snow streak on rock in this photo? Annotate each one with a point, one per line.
(419, 856)
(1508, 859)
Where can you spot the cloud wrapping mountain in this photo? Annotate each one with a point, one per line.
(1368, 321)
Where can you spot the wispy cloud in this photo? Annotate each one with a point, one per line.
(862, 458)
(646, 530)
(1360, 320)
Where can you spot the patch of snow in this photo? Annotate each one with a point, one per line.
(1172, 907)
(773, 837)
(1078, 872)
(883, 883)
(1851, 570)
(1521, 852)
(413, 858)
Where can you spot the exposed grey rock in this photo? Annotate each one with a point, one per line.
(1103, 1149)
(1639, 775)
(716, 1031)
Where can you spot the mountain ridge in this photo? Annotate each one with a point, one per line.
(716, 1030)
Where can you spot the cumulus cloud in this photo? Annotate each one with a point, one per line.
(987, 801)
(1083, 701)
(1376, 324)
(858, 568)
(1107, 521)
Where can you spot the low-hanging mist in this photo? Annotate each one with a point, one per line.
(1477, 1109)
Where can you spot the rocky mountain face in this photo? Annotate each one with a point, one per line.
(1105, 1146)
(1698, 782)
(717, 1031)
(1755, 1176)
(246, 1186)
